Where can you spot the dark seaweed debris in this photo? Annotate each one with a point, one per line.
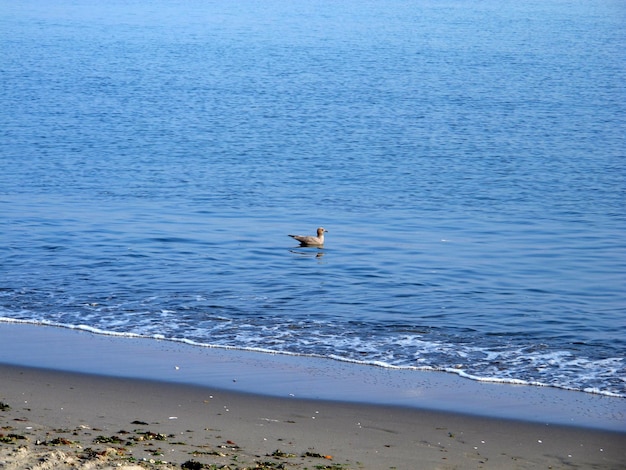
(151, 436)
(58, 441)
(285, 455)
(192, 465)
(195, 465)
(107, 440)
(11, 438)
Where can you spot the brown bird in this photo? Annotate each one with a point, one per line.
(311, 240)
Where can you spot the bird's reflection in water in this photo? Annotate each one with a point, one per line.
(309, 254)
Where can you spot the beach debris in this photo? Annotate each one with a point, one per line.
(153, 461)
(57, 441)
(270, 420)
(215, 453)
(63, 430)
(60, 441)
(334, 466)
(142, 423)
(151, 436)
(4, 406)
(280, 454)
(193, 465)
(11, 438)
(268, 466)
(315, 455)
(90, 454)
(107, 440)
(229, 445)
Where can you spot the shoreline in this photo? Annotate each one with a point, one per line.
(276, 375)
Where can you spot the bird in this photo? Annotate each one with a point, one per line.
(311, 240)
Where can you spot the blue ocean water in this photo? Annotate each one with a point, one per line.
(467, 159)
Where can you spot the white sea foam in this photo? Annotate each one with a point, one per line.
(458, 370)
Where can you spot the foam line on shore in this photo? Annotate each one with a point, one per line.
(300, 377)
(450, 370)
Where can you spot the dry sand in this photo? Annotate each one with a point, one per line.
(61, 420)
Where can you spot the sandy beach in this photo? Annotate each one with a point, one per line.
(56, 415)
(63, 420)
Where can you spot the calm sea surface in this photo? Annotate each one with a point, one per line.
(468, 159)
